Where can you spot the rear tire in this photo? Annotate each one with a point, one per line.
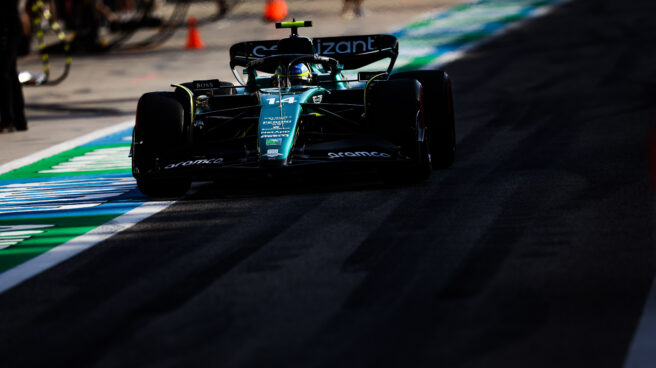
(439, 114)
(395, 111)
(159, 130)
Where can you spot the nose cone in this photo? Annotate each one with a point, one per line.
(277, 127)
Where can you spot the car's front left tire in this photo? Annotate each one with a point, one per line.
(159, 130)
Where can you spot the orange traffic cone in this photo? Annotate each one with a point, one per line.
(275, 10)
(193, 37)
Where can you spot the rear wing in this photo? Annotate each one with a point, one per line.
(353, 52)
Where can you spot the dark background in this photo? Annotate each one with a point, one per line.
(536, 249)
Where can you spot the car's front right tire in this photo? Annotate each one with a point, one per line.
(395, 111)
(439, 114)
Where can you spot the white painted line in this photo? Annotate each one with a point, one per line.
(642, 352)
(643, 347)
(58, 254)
(13, 165)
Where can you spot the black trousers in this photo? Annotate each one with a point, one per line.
(12, 105)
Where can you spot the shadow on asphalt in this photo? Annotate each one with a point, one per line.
(268, 186)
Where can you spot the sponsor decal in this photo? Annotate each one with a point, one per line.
(276, 121)
(272, 127)
(286, 100)
(276, 134)
(262, 51)
(206, 84)
(345, 47)
(358, 154)
(273, 153)
(327, 47)
(276, 118)
(273, 141)
(211, 161)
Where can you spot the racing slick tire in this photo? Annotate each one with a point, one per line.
(439, 114)
(395, 111)
(159, 129)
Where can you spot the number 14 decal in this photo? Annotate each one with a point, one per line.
(289, 100)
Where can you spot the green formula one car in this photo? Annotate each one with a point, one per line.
(296, 109)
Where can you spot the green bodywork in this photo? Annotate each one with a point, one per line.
(280, 120)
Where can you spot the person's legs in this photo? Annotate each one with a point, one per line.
(6, 85)
(348, 11)
(19, 103)
(12, 113)
(357, 8)
(222, 8)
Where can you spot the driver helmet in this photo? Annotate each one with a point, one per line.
(299, 74)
